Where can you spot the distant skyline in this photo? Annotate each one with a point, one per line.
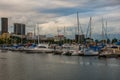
(50, 14)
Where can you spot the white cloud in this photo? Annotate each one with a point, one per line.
(51, 14)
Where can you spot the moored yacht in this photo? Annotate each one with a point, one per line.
(40, 48)
(78, 51)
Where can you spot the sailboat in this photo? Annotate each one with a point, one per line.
(91, 48)
(110, 51)
(40, 48)
(77, 49)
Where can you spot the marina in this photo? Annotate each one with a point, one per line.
(101, 51)
(60, 40)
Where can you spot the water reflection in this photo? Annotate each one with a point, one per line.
(20, 66)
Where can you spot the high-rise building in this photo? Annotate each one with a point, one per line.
(4, 25)
(19, 29)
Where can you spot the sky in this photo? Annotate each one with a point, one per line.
(51, 15)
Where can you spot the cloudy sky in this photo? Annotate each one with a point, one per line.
(57, 14)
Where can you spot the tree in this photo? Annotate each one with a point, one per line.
(96, 41)
(108, 41)
(114, 40)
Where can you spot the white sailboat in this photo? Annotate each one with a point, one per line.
(77, 50)
(40, 48)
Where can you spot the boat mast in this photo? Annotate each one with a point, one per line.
(21, 33)
(34, 34)
(78, 26)
(106, 31)
(38, 32)
(64, 35)
(58, 31)
(102, 29)
(90, 27)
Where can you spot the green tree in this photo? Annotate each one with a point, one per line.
(96, 41)
(114, 40)
(108, 41)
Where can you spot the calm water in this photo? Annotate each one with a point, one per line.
(21, 66)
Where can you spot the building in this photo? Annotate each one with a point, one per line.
(59, 38)
(4, 25)
(79, 38)
(29, 35)
(19, 29)
(42, 37)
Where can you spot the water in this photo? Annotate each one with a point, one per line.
(21, 66)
